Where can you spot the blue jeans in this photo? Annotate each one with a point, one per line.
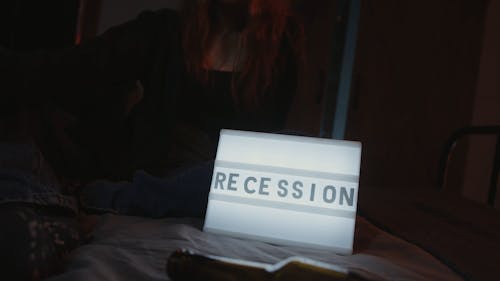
(184, 194)
(23, 188)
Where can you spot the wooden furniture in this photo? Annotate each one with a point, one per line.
(461, 233)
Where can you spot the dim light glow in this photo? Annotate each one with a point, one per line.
(283, 189)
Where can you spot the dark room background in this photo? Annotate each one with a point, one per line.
(423, 70)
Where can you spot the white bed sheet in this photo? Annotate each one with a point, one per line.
(133, 248)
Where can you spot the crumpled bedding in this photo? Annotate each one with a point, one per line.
(134, 248)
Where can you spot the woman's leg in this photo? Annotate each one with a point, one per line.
(183, 194)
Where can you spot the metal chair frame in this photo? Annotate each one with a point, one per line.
(450, 145)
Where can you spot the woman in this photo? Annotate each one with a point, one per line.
(240, 62)
(219, 64)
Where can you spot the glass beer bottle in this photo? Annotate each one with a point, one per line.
(186, 265)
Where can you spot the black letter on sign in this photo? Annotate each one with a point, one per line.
(247, 189)
(349, 198)
(263, 185)
(298, 193)
(334, 194)
(219, 179)
(313, 188)
(232, 181)
(282, 184)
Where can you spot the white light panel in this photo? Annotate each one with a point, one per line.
(284, 189)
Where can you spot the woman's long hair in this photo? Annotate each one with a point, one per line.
(269, 24)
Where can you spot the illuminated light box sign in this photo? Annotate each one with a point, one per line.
(283, 189)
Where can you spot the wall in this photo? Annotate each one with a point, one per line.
(416, 71)
(486, 110)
